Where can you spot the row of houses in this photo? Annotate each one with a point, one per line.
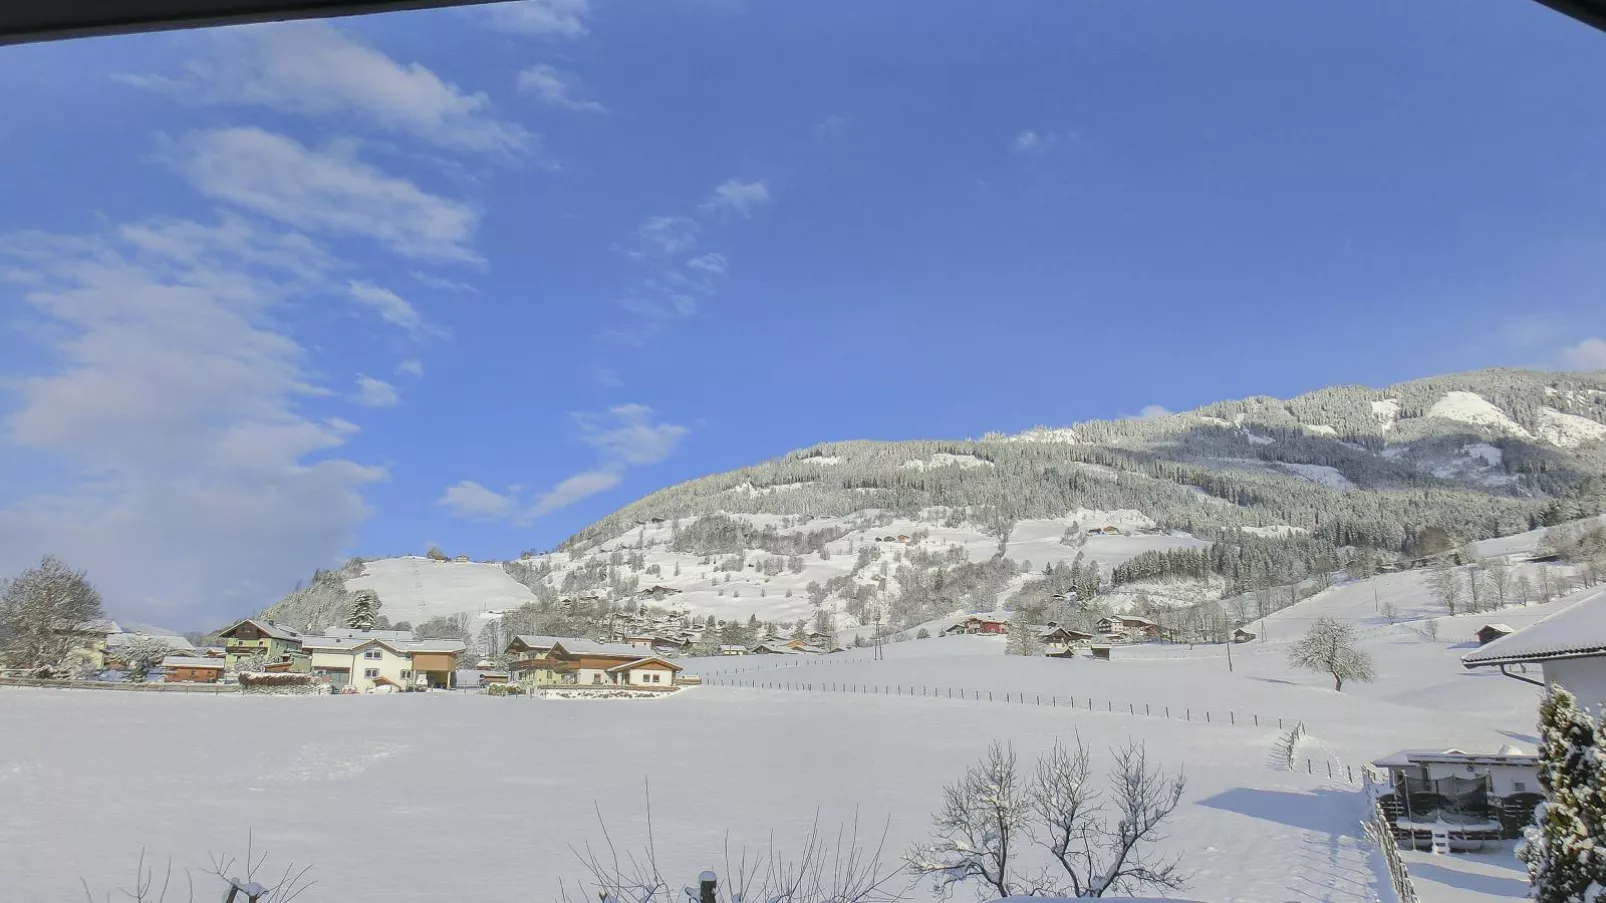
(348, 659)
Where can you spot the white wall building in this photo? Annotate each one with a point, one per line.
(1569, 647)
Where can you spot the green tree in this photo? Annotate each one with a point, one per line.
(364, 611)
(1565, 849)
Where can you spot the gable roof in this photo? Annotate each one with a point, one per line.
(116, 640)
(1577, 631)
(403, 635)
(434, 646)
(191, 661)
(592, 647)
(649, 660)
(533, 641)
(276, 631)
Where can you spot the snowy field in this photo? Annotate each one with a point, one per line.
(462, 797)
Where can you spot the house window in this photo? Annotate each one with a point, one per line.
(373, 654)
(596, 678)
(1519, 786)
(370, 673)
(407, 675)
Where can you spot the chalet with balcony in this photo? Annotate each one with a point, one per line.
(192, 669)
(1062, 640)
(252, 637)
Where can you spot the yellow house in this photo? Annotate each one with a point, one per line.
(252, 637)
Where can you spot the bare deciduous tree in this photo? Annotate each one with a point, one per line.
(41, 611)
(1329, 647)
(1096, 842)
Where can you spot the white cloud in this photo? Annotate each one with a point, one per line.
(1152, 411)
(1590, 354)
(626, 434)
(715, 264)
(608, 378)
(573, 489)
(1031, 142)
(737, 196)
(411, 367)
(375, 393)
(556, 18)
(391, 307)
(314, 69)
(554, 89)
(670, 234)
(470, 499)
(173, 408)
(445, 285)
(327, 191)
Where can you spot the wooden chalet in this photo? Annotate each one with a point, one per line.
(1488, 633)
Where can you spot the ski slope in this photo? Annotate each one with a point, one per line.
(416, 589)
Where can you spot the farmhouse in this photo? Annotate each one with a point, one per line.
(1062, 639)
(192, 669)
(1127, 624)
(529, 646)
(251, 637)
(976, 624)
(1569, 646)
(1447, 800)
(1240, 635)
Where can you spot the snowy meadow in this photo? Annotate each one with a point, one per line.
(459, 796)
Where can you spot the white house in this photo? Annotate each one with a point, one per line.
(1569, 647)
(366, 663)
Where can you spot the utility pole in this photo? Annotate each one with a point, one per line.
(1230, 644)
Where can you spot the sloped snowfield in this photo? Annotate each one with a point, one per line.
(464, 797)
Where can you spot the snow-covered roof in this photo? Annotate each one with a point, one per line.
(1503, 628)
(592, 647)
(98, 625)
(1574, 632)
(401, 635)
(434, 646)
(339, 642)
(191, 661)
(277, 631)
(534, 641)
(1405, 758)
(651, 659)
(117, 640)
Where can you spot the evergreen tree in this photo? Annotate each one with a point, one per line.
(1565, 849)
(364, 611)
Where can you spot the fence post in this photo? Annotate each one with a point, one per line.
(1207, 716)
(1232, 717)
(1257, 720)
(1130, 710)
(1308, 769)
(1190, 714)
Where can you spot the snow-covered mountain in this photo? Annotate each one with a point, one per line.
(912, 530)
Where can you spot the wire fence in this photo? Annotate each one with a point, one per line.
(147, 687)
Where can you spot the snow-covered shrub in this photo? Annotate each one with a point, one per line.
(281, 684)
(504, 690)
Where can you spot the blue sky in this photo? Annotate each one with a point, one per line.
(282, 294)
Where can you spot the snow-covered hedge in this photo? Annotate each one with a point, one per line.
(282, 684)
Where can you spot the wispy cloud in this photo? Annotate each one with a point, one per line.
(411, 367)
(713, 264)
(1152, 411)
(625, 436)
(669, 234)
(573, 489)
(469, 499)
(176, 406)
(314, 69)
(555, 89)
(608, 378)
(1589, 354)
(436, 282)
(391, 307)
(1033, 142)
(327, 191)
(545, 18)
(375, 393)
(737, 196)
